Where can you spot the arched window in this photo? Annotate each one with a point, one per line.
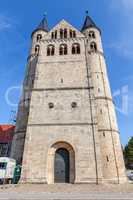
(65, 33)
(50, 50)
(92, 34)
(73, 49)
(72, 34)
(54, 35)
(63, 49)
(76, 48)
(61, 33)
(37, 49)
(39, 37)
(93, 46)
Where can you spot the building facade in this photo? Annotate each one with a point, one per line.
(6, 137)
(66, 126)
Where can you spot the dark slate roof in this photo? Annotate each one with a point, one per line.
(6, 133)
(42, 26)
(89, 23)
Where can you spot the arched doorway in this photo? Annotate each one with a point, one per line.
(61, 163)
(61, 166)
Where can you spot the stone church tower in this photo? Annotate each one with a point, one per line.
(66, 126)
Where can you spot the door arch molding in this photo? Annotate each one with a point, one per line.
(51, 160)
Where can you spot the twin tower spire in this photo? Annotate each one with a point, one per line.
(88, 23)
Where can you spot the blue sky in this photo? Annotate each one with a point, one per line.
(19, 18)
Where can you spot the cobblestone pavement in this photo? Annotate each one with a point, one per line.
(67, 192)
(65, 196)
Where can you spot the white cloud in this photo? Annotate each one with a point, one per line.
(12, 25)
(123, 48)
(125, 6)
(123, 11)
(128, 78)
(128, 4)
(5, 22)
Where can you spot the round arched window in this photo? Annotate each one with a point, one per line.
(50, 50)
(76, 48)
(93, 46)
(63, 49)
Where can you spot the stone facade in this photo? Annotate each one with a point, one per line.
(67, 103)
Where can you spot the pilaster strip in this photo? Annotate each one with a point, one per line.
(92, 117)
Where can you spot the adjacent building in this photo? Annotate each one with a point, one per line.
(6, 137)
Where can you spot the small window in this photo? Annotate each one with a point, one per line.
(98, 89)
(37, 50)
(74, 104)
(92, 34)
(50, 50)
(61, 80)
(39, 37)
(3, 165)
(51, 105)
(101, 111)
(76, 48)
(107, 158)
(4, 149)
(103, 134)
(93, 46)
(63, 49)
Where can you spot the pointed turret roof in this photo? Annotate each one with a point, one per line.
(42, 26)
(89, 23)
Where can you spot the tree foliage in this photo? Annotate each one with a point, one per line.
(128, 154)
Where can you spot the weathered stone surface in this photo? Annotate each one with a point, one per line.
(88, 131)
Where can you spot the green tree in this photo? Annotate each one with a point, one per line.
(128, 154)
